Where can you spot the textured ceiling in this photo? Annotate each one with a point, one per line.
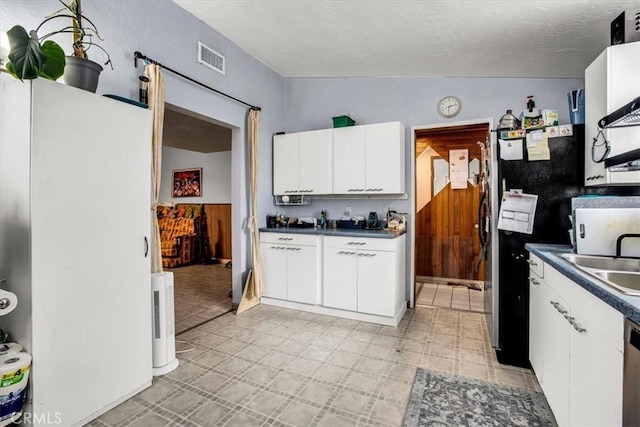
(191, 133)
(357, 38)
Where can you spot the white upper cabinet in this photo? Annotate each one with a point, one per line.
(611, 81)
(285, 164)
(302, 163)
(349, 160)
(385, 158)
(315, 170)
(369, 159)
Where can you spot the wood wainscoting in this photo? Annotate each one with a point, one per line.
(219, 229)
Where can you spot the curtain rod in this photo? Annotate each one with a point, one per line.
(137, 55)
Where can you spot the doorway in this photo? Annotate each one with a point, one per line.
(449, 269)
(201, 257)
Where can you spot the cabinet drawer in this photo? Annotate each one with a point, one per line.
(536, 265)
(289, 238)
(371, 244)
(597, 314)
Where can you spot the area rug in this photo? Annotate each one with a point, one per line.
(441, 399)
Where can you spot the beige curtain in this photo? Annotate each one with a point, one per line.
(253, 287)
(156, 105)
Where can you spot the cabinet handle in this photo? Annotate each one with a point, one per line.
(557, 307)
(533, 263)
(346, 253)
(293, 249)
(285, 238)
(534, 281)
(572, 322)
(366, 254)
(594, 177)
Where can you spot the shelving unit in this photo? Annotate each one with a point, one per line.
(627, 115)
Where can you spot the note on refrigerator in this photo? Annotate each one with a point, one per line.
(511, 149)
(538, 146)
(517, 212)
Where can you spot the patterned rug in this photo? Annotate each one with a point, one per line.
(441, 399)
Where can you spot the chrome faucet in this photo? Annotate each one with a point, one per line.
(620, 239)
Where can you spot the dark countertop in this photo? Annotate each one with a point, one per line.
(339, 232)
(626, 304)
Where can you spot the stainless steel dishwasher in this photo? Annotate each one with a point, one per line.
(631, 393)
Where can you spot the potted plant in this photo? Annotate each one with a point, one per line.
(32, 56)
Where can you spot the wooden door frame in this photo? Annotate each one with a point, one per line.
(412, 191)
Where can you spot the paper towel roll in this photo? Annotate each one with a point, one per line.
(14, 371)
(9, 348)
(8, 302)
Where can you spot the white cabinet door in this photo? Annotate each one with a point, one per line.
(611, 81)
(274, 270)
(84, 278)
(377, 276)
(536, 330)
(286, 164)
(302, 274)
(315, 171)
(340, 277)
(384, 158)
(349, 160)
(596, 376)
(556, 362)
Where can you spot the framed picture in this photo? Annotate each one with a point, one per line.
(187, 183)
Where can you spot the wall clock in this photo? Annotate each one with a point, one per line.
(449, 106)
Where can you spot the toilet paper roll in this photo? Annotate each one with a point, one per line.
(8, 302)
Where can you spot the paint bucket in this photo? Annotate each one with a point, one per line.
(576, 106)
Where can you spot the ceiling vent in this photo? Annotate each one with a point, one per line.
(211, 58)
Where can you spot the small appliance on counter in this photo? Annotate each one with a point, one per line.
(396, 221)
(372, 221)
(306, 222)
(356, 222)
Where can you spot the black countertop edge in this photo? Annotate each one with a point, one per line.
(628, 305)
(344, 232)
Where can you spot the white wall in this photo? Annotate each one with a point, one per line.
(216, 174)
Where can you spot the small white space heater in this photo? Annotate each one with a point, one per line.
(164, 334)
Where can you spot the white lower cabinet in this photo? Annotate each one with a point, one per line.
(577, 356)
(291, 267)
(356, 278)
(363, 275)
(556, 356)
(340, 279)
(536, 333)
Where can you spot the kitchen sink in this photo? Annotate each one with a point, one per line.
(621, 274)
(627, 281)
(604, 262)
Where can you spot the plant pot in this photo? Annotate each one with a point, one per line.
(81, 73)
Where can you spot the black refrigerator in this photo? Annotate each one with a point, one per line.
(555, 181)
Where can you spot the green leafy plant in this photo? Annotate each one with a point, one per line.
(30, 56)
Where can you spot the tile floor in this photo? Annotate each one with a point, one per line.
(201, 292)
(437, 294)
(280, 367)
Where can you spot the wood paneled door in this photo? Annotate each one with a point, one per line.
(219, 229)
(447, 242)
